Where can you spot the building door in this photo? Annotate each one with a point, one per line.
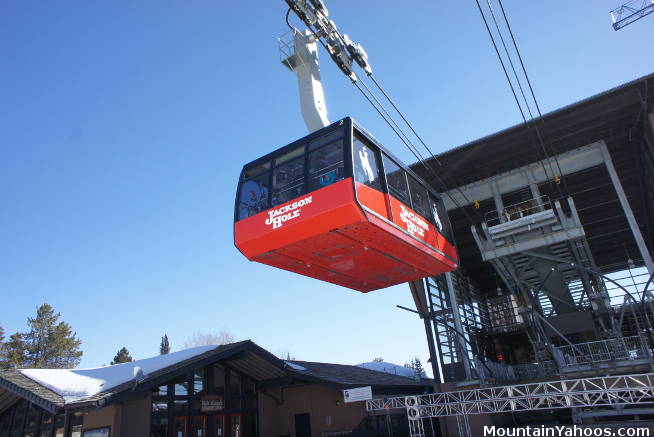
(199, 426)
(235, 425)
(180, 426)
(219, 426)
(302, 425)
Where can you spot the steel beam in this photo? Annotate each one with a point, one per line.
(629, 214)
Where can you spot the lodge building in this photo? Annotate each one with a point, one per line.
(234, 390)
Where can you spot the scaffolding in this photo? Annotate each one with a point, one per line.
(618, 392)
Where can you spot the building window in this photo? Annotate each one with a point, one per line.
(198, 382)
(97, 432)
(218, 380)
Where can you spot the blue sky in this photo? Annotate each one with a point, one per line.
(125, 125)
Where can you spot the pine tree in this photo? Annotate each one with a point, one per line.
(122, 356)
(14, 352)
(49, 344)
(416, 365)
(164, 347)
(378, 360)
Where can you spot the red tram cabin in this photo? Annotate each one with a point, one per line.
(336, 206)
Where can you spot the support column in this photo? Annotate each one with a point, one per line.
(457, 324)
(631, 219)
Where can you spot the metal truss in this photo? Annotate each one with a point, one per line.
(631, 11)
(607, 391)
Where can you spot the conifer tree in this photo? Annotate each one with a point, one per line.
(14, 352)
(164, 347)
(122, 356)
(50, 344)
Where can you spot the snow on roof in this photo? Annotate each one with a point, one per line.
(294, 366)
(76, 384)
(393, 369)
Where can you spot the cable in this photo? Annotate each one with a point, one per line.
(287, 22)
(483, 16)
(404, 118)
(537, 130)
(506, 50)
(531, 89)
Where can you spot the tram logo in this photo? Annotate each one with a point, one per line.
(414, 224)
(277, 217)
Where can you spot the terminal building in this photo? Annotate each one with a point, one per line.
(234, 390)
(555, 240)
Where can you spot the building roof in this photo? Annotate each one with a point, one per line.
(619, 117)
(52, 389)
(344, 376)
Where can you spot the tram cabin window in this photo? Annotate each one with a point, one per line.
(288, 176)
(253, 196)
(326, 165)
(396, 180)
(440, 216)
(419, 198)
(366, 165)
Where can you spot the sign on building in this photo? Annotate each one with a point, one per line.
(357, 394)
(212, 403)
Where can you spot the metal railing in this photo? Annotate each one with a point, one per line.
(517, 211)
(514, 372)
(615, 349)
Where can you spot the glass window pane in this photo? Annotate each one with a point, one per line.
(159, 427)
(235, 384)
(77, 419)
(439, 214)
(46, 419)
(98, 432)
(256, 171)
(76, 431)
(159, 405)
(218, 381)
(288, 181)
(419, 198)
(326, 139)
(59, 432)
(198, 382)
(180, 405)
(396, 180)
(326, 166)
(199, 426)
(253, 196)
(289, 155)
(32, 419)
(219, 426)
(248, 387)
(180, 427)
(235, 425)
(366, 165)
(180, 388)
(162, 390)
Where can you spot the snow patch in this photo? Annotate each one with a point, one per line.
(393, 369)
(294, 366)
(76, 384)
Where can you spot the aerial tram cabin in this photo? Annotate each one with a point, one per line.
(336, 206)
